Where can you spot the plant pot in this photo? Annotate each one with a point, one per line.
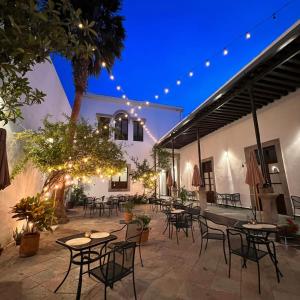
(29, 244)
(128, 216)
(145, 235)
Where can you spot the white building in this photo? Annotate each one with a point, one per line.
(226, 130)
(138, 125)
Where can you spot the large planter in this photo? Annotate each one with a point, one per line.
(145, 235)
(128, 216)
(29, 244)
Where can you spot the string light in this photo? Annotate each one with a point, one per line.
(225, 51)
(124, 96)
(248, 35)
(178, 82)
(112, 77)
(128, 103)
(139, 107)
(166, 90)
(103, 64)
(80, 25)
(207, 63)
(191, 74)
(156, 97)
(147, 103)
(126, 116)
(118, 87)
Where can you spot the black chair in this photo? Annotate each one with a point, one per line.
(181, 221)
(210, 233)
(235, 199)
(247, 246)
(133, 233)
(89, 203)
(296, 204)
(115, 265)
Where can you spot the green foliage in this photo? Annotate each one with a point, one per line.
(183, 194)
(51, 151)
(144, 173)
(139, 199)
(17, 235)
(129, 206)
(77, 195)
(29, 31)
(145, 219)
(36, 211)
(163, 157)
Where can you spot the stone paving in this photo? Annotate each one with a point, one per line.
(171, 271)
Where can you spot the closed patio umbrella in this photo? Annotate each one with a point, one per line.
(196, 180)
(254, 176)
(4, 174)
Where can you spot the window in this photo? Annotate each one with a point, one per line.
(120, 181)
(138, 134)
(103, 126)
(121, 127)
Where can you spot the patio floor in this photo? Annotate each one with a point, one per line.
(171, 271)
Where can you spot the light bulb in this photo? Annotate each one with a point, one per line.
(111, 77)
(103, 64)
(135, 114)
(118, 88)
(248, 35)
(191, 74)
(178, 82)
(80, 25)
(147, 103)
(156, 96)
(139, 119)
(207, 63)
(139, 107)
(128, 103)
(225, 51)
(166, 90)
(126, 116)
(124, 96)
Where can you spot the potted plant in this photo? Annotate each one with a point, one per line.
(38, 214)
(128, 206)
(183, 194)
(77, 196)
(17, 235)
(146, 221)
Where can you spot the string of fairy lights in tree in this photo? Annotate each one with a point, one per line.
(224, 51)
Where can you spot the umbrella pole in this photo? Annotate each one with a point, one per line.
(257, 202)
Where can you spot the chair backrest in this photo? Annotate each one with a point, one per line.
(134, 231)
(296, 201)
(236, 197)
(117, 263)
(237, 239)
(202, 224)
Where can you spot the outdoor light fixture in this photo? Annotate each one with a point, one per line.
(248, 35)
(207, 63)
(124, 96)
(225, 51)
(178, 82)
(103, 64)
(118, 88)
(156, 96)
(166, 90)
(111, 77)
(147, 103)
(191, 74)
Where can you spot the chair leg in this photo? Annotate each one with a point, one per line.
(105, 292)
(206, 244)
(133, 285)
(201, 246)
(177, 236)
(258, 273)
(141, 256)
(224, 251)
(192, 230)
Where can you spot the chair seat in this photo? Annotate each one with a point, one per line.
(214, 236)
(249, 253)
(117, 244)
(114, 271)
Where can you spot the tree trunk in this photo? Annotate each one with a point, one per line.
(76, 105)
(60, 211)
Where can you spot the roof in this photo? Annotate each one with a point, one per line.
(133, 102)
(274, 73)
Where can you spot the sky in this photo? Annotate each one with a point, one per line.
(167, 39)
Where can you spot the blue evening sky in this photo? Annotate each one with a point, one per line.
(168, 38)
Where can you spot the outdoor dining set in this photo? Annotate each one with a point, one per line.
(251, 241)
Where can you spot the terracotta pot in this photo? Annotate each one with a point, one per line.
(128, 216)
(145, 235)
(29, 244)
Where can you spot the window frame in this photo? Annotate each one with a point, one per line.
(118, 188)
(139, 137)
(119, 133)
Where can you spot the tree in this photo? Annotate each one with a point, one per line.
(107, 40)
(29, 31)
(49, 150)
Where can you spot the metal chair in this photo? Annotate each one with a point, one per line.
(247, 247)
(296, 204)
(134, 230)
(115, 265)
(182, 221)
(210, 233)
(235, 198)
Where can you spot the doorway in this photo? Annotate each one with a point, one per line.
(209, 179)
(276, 175)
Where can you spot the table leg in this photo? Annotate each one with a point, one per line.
(69, 268)
(80, 278)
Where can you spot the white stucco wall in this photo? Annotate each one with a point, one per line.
(279, 120)
(158, 118)
(45, 78)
